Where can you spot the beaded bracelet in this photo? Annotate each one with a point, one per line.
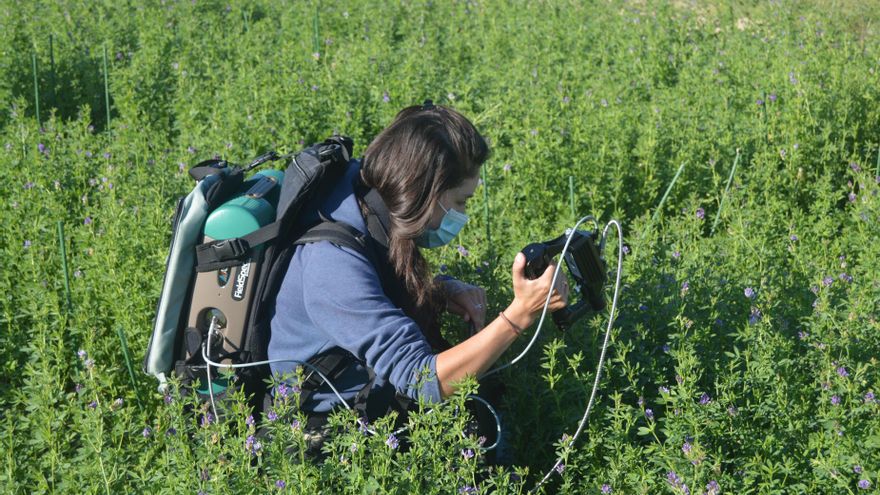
(516, 329)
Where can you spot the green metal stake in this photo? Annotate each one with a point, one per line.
(663, 199)
(877, 174)
(571, 194)
(125, 354)
(486, 211)
(52, 70)
(36, 90)
(315, 34)
(64, 263)
(724, 196)
(106, 88)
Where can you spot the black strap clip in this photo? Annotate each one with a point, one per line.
(222, 250)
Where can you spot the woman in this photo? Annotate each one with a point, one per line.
(378, 316)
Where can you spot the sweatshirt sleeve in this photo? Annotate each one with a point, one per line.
(344, 299)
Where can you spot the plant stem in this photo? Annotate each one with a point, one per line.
(724, 196)
(571, 195)
(125, 354)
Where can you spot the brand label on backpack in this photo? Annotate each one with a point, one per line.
(241, 281)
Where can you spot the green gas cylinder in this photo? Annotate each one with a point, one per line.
(222, 297)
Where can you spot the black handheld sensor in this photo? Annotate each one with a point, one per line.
(586, 265)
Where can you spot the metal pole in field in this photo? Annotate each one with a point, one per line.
(61, 243)
(52, 71)
(123, 342)
(486, 210)
(106, 88)
(316, 45)
(36, 89)
(663, 199)
(571, 194)
(877, 173)
(724, 196)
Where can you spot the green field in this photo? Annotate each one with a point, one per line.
(744, 356)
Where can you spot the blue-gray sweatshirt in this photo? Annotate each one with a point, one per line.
(332, 296)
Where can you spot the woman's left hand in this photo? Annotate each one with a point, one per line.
(467, 301)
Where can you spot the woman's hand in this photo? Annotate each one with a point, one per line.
(467, 301)
(530, 295)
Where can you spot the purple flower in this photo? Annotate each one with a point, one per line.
(649, 414)
(857, 469)
(171, 432)
(316, 55)
(314, 87)
(869, 397)
(294, 425)
(686, 448)
(81, 354)
(663, 389)
(77, 388)
(772, 97)
(701, 213)
(791, 78)
(855, 166)
(41, 147)
(782, 153)
(705, 399)
(852, 197)
(606, 488)
(749, 292)
(732, 410)
(385, 97)
(28, 185)
(147, 432)
(793, 238)
(107, 154)
(87, 221)
(803, 335)
(842, 372)
(463, 251)
(676, 254)
(864, 484)
(755, 316)
(272, 416)
(845, 277)
(280, 484)
(673, 479)
(625, 249)
(560, 468)
(827, 281)
(712, 488)
(117, 402)
(443, 268)
(282, 390)
(168, 399)
(467, 453)
(835, 400)
(467, 489)
(759, 102)
(392, 442)
(90, 363)
(642, 307)
(533, 132)
(207, 419)
(119, 55)
(507, 167)
(93, 404)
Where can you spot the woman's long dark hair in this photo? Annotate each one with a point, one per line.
(426, 151)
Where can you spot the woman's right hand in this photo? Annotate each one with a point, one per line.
(530, 295)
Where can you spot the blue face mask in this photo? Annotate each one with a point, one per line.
(452, 223)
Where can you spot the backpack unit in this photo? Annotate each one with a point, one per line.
(232, 241)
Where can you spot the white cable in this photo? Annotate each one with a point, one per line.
(546, 302)
(601, 355)
(208, 363)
